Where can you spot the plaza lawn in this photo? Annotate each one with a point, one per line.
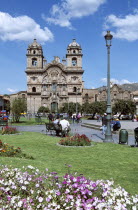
(31, 121)
(102, 161)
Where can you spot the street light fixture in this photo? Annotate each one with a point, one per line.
(108, 134)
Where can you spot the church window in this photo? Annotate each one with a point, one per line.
(64, 87)
(54, 86)
(34, 62)
(74, 89)
(74, 51)
(74, 61)
(33, 78)
(34, 52)
(44, 87)
(34, 89)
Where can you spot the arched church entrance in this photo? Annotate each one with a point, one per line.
(54, 107)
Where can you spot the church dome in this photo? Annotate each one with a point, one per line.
(74, 44)
(35, 45)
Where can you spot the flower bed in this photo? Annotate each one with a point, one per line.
(30, 189)
(7, 150)
(8, 130)
(76, 140)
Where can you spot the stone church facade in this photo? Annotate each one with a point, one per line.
(58, 82)
(55, 83)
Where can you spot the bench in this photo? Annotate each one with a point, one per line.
(56, 129)
(3, 122)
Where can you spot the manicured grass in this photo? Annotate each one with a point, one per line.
(31, 121)
(102, 161)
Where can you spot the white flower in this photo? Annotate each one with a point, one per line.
(21, 181)
(26, 182)
(74, 179)
(31, 167)
(40, 199)
(37, 185)
(38, 206)
(20, 203)
(7, 189)
(67, 191)
(32, 191)
(135, 200)
(23, 188)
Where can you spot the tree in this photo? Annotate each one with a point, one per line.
(70, 108)
(43, 109)
(18, 106)
(95, 107)
(124, 107)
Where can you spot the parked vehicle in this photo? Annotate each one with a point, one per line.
(126, 117)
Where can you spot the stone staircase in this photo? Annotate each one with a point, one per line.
(92, 126)
(98, 127)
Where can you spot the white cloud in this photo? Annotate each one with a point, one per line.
(22, 28)
(12, 90)
(115, 81)
(61, 14)
(123, 27)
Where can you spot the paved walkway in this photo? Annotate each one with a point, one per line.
(93, 134)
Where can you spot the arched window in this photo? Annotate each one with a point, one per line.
(44, 87)
(34, 52)
(74, 89)
(34, 89)
(74, 51)
(74, 61)
(54, 86)
(34, 62)
(64, 87)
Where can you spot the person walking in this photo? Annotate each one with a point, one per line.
(104, 123)
(73, 117)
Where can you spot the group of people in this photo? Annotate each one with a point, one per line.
(115, 124)
(76, 117)
(4, 117)
(64, 123)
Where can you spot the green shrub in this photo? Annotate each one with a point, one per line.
(76, 140)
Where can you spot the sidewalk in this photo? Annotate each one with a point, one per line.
(98, 137)
(93, 134)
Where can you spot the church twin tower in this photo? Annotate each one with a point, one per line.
(55, 83)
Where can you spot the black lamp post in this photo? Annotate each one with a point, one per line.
(108, 134)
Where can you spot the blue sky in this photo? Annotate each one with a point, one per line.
(54, 23)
